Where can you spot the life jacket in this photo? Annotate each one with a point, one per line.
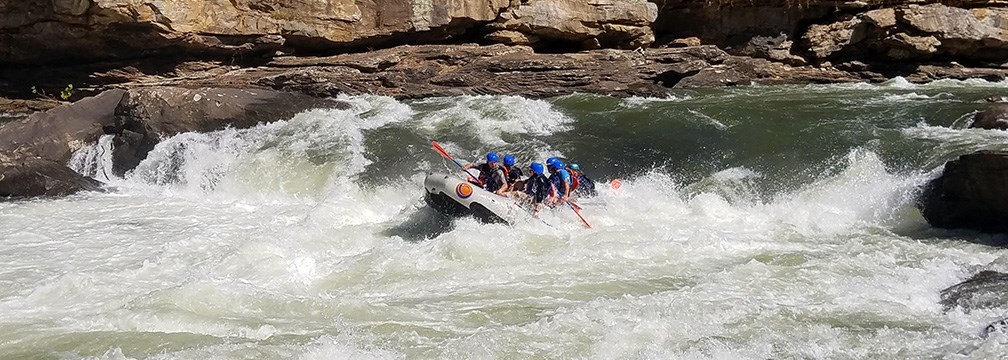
(487, 179)
(574, 180)
(538, 187)
(556, 182)
(512, 174)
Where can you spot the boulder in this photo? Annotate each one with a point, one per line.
(994, 117)
(55, 134)
(34, 176)
(147, 115)
(971, 193)
(984, 290)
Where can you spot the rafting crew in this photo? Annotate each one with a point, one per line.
(551, 184)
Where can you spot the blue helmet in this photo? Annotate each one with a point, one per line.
(554, 162)
(492, 157)
(573, 166)
(509, 160)
(559, 165)
(537, 168)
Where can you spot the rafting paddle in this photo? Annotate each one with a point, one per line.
(440, 150)
(576, 211)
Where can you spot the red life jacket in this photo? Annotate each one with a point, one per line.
(574, 180)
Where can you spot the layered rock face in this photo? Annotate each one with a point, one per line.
(915, 33)
(90, 30)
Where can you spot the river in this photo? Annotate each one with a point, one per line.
(754, 222)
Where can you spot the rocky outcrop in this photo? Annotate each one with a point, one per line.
(995, 117)
(446, 70)
(913, 33)
(147, 115)
(34, 151)
(971, 192)
(91, 30)
(584, 24)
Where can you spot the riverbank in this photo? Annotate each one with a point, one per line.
(536, 48)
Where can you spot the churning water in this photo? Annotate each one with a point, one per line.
(754, 223)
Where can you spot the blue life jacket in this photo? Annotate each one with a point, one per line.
(538, 187)
(557, 180)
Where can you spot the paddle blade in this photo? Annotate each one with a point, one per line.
(440, 150)
(578, 213)
(616, 184)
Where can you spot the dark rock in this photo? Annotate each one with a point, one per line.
(997, 327)
(33, 176)
(55, 134)
(985, 290)
(972, 193)
(147, 115)
(994, 117)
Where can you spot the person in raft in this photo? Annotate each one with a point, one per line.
(583, 185)
(537, 186)
(512, 173)
(560, 180)
(491, 177)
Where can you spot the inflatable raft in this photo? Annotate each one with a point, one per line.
(455, 196)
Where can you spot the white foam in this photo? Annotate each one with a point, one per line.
(492, 118)
(95, 160)
(639, 101)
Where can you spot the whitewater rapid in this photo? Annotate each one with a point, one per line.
(308, 238)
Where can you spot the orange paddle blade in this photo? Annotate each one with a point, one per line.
(440, 150)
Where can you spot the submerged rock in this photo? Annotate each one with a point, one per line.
(995, 117)
(1000, 326)
(986, 289)
(971, 192)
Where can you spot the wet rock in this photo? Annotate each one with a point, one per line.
(34, 151)
(985, 290)
(147, 115)
(971, 193)
(55, 134)
(994, 117)
(997, 327)
(33, 176)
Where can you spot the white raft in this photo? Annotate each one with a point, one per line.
(453, 195)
